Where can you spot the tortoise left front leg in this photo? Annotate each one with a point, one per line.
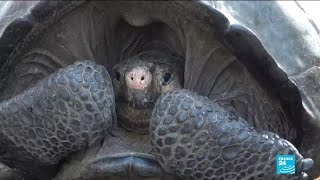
(195, 138)
(68, 111)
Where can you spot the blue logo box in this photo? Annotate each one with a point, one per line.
(286, 164)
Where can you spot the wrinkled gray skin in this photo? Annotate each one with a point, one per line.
(159, 73)
(68, 105)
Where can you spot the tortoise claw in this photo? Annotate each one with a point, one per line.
(304, 165)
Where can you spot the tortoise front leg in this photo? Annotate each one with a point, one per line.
(195, 138)
(65, 112)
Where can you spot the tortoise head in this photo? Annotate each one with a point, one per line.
(138, 83)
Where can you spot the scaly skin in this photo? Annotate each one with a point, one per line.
(192, 137)
(71, 109)
(195, 138)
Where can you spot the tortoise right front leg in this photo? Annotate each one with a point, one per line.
(65, 112)
(193, 137)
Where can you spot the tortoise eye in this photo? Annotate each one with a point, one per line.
(167, 77)
(117, 75)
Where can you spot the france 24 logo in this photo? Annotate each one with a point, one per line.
(286, 164)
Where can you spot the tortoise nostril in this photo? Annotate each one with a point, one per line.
(142, 78)
(138, 78)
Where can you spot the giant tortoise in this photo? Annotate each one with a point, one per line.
(145, 89)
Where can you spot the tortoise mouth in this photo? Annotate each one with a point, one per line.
(125, 154)
(128, 164)
(134, 119)
(132, 154)
(134, 105)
